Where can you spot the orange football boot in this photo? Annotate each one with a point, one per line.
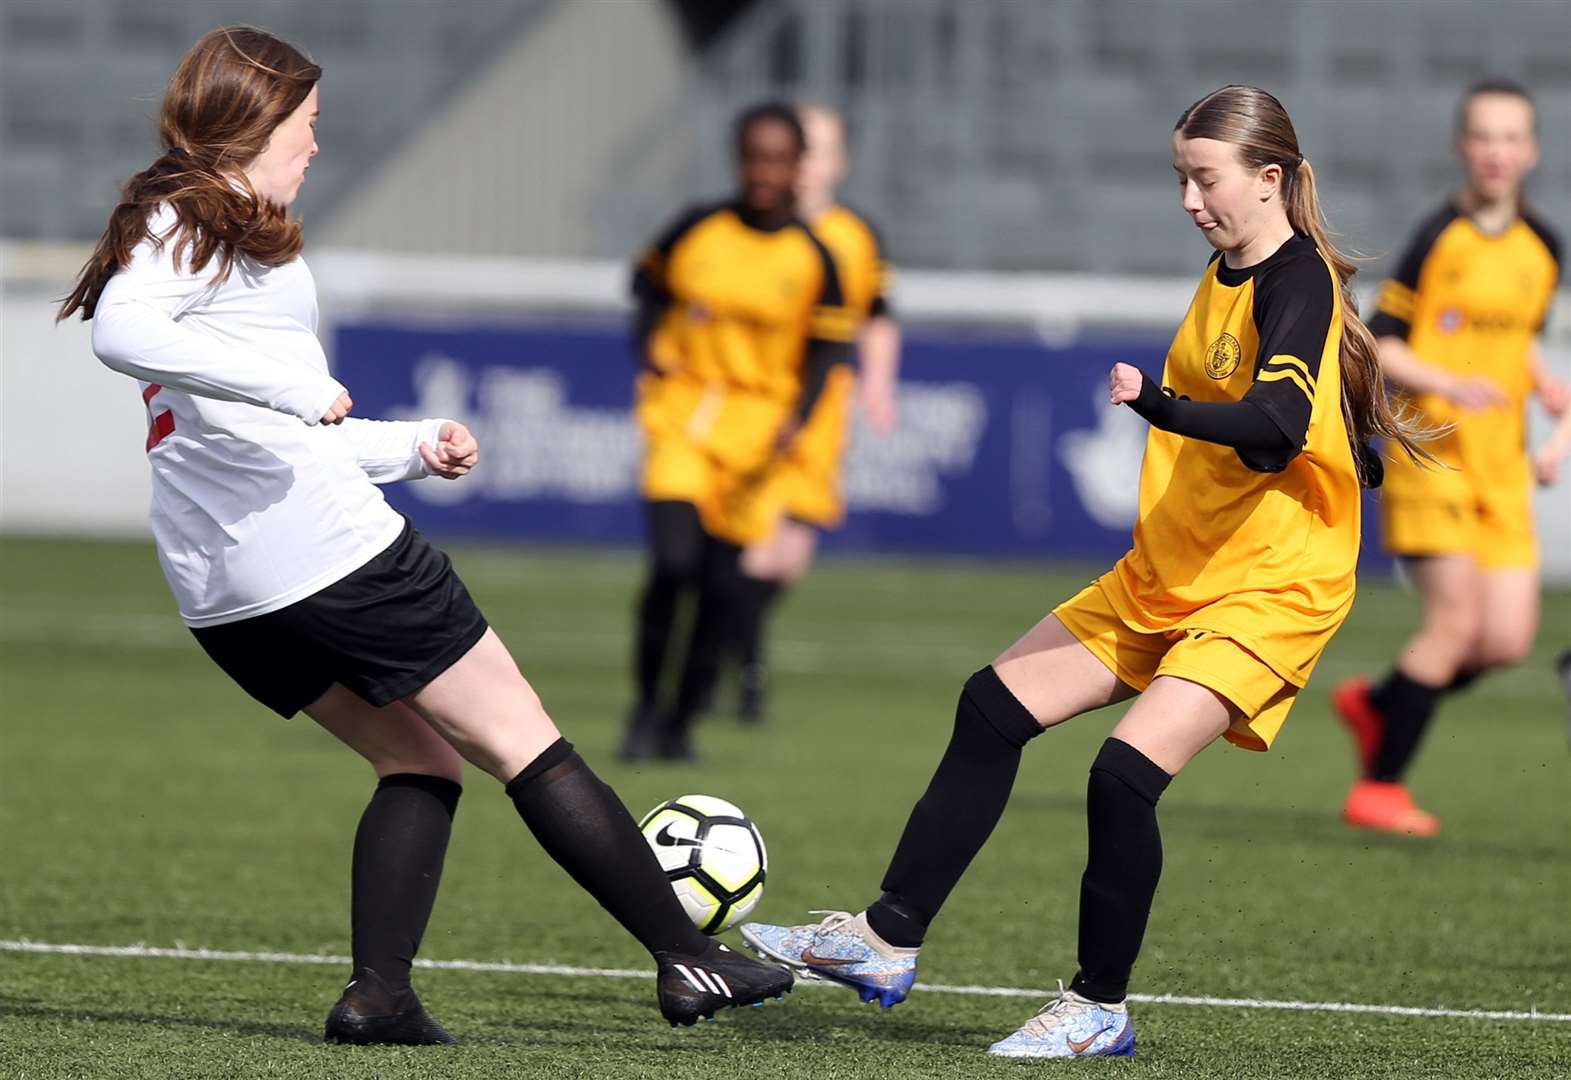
(1350, 699)
(1374, 804)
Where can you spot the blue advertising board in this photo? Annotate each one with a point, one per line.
(1006, 445)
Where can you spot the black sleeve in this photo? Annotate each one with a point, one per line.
(880, 304)
(1293, 309)
(1240, 424)
(831, 334)
(1551, 242)
(820, 360)
(1394, 304)
(650, 293)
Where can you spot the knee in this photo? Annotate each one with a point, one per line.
(1455, 627)
(676, 541)
(434, 780)
(1120, 768)
(1502, 648)
(438, 760)
(677, 562)
(986, 704)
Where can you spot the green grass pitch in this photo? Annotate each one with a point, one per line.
(144, 799)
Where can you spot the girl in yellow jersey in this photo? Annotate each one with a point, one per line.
(740, 324)
(1241, 570)
(1456, 329)
(803, 495)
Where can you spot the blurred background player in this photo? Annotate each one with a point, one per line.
(740, 322)
(1547, 461)
(1457, 328)
(806, 482)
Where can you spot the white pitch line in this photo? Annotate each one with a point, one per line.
(568, 971)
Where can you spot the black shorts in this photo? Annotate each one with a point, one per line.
(384, 632)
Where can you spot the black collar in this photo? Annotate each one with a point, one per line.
(753, 220)
(1297, 244)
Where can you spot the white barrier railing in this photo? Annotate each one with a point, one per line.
(93, 479)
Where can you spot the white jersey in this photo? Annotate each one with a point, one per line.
(255, 503)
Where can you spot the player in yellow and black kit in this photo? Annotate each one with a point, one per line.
(741, 322)
(1242, 569)
(804, 495)
(1457, 329)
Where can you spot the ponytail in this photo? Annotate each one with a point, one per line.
(1366, 409)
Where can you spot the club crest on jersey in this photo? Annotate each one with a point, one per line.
(1222, 357)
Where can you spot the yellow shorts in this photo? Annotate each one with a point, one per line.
(1498, 538)
(1218, 663)
(712, 447)
(810, 473)
(1482, 508)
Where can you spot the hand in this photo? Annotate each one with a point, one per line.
(337, 410)
(878, 405)
(1476, 392)
(455, 453)
(1124, 383)
(1546, 466)
(1555, 394)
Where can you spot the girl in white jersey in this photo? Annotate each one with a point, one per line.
(293, 572)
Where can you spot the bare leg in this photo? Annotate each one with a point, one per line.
(1452, 588)
(1509, 620)
(487, 710)
(1055, 677)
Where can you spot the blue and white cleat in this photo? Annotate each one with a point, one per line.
(1072, 1026)
(843, 949)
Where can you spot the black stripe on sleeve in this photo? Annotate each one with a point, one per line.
(1293, 308)
(831, 331)
(880, 303)
(1394, 304)
(1551, 241)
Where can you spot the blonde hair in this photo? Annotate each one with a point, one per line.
(1257, 124)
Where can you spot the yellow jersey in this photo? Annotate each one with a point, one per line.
(859, 260)
(735, 305)
(1258, 547)
(1471, 302)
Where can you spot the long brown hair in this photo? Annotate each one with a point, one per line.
(231, 90)
(1255, 122)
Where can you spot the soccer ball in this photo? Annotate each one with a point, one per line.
(712, 854)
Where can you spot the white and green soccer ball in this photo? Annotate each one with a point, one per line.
(712, 854)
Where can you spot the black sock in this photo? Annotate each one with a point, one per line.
(1122, 867)
(656, 616)
(582, 824)
(1461, 680)
(956, 814)
(399, 848)
(676, 544)
(754, 601)
(1406, 707)
(718, 601)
